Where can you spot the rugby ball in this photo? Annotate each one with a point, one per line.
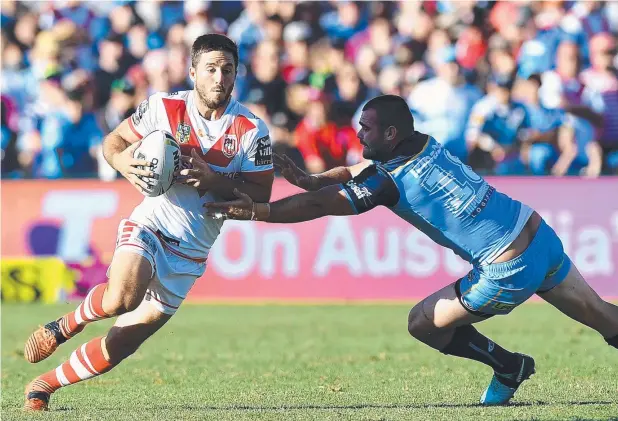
(162, 151)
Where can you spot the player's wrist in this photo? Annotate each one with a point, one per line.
(312, 183)
(261, 211)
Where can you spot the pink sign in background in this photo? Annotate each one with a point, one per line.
(375, 256)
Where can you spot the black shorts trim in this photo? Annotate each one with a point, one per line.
(546, 290)
(469, 310)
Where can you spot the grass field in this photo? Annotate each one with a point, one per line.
(339, 362)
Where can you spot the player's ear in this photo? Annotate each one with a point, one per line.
(391, 133)
(192, 73)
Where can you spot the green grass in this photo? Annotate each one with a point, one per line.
(347, 362)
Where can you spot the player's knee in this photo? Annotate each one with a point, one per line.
(119, 302)
(417, 322)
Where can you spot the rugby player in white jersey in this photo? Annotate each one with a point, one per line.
(163, 247)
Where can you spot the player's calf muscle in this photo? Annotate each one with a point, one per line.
(131, 330)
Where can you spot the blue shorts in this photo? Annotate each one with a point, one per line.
(498, 288)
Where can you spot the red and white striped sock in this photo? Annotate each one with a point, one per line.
(90, 310)
(85, 362)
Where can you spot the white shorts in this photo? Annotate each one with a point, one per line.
(172, 275)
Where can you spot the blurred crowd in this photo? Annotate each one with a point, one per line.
(509, 87)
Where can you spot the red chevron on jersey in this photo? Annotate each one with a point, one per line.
(228, 145)
(182, 130)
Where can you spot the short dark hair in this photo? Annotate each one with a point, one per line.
(213, 42)
(392, 110)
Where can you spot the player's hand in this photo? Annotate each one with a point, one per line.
(135, 170)
(291, 172)
(196, 172)
(241, 209)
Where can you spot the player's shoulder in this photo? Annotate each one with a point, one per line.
(245, 122)
(157, 99)
(177, 95)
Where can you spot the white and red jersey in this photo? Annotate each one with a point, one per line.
(237, 142)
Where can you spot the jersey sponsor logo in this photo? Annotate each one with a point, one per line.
(139, 113)
(483, 202)
(264, 152)
(148, 241)
(503, 306)
(230, 145)
(361, 192)
(183, 132)
(456, 185)
(231, 175)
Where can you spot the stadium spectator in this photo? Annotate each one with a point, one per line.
(296, 37)
(577, 140)
(113, 62)
(539, 142)
(322, 142)
(601, 77)
(442, 104)
(264, 83)
(348, 91)
(9, 138)
(492, 136)
(348, 19)
(347, 50)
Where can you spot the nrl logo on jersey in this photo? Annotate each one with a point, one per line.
(230, 145)
(183, 132)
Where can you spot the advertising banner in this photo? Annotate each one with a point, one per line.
(375, 256)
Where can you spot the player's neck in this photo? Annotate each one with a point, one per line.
(210, 113)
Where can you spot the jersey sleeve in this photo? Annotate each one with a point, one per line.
(258, 155)
(148, 116)
(372, 187)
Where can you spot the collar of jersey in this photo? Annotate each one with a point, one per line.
(227, 109)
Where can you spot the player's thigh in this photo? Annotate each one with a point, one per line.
(441, 310)
(132, 329)
(132, 268)
(576, 299)
(129, 276)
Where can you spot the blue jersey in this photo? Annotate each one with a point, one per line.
(545, 119)
(502, 122)
(443, 198)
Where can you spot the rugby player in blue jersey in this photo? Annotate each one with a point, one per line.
(513, 252)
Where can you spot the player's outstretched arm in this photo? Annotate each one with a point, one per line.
(314, 182)
(297, 208)
(118, 148)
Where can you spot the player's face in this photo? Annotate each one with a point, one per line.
(371, 136)
(214, 78)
